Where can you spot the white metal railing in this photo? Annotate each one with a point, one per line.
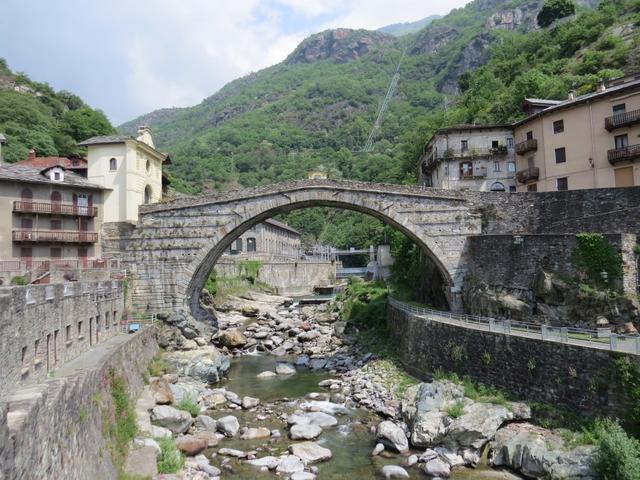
(134, 321)
(602, 339)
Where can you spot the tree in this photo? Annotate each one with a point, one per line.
(84, 123)
(553, 10)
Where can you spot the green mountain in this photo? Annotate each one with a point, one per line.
(399, 29)
(33, 115)
(318, 106)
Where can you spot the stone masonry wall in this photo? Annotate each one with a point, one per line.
(44, 326)
(54, 430)
(288, 278)
(577, 378)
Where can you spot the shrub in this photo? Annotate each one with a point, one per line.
(157, 366)
(593, 255)
(553, 10)
(170, 459)
(618, 456)
(456, 410)
(189, 405)
(18, 280)
(119, 419)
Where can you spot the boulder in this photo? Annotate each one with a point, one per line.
(211, 439)
(393, 471)
(289, 464)
(304, 432)
(392, 436)
(161, 392)
(310, 452)
(267, 374)
(379, 448)
(228, 425)
(269, 462)
(253, 433)
(190, 444)
(233, 338)
(250, 402)
(303, 476)
(178, 421)
(285, 369)
(321, 419)
(249, 311)
(160, 432)
(437, 468)
(205, 422)
(232, 452)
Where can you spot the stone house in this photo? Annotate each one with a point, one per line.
(469, 157)
(269, 240)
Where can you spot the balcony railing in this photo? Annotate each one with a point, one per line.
(528, 174)
(622, 120)
(53, 208)
(530, 145)
(473, 152)
(62, 236)
(623, 154)
(480, 172)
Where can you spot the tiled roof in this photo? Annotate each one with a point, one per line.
(284, 226)
(20, 173)
(44, 162)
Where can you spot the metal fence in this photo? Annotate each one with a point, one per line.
(135, 321)
(603, 339)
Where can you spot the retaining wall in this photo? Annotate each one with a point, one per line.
(44, 326)
(54, 430)
(577, 378)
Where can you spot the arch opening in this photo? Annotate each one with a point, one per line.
(205, 264)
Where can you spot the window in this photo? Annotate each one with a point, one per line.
(496, 166)
(148, 166)
(622, 141)
(530, 135)
(113, 164)
(620, 108)
(56, 197)
(512, 188)
(509, 142)
(26, 195)
(56, 252)
(67, 333)
(115, 318)
(106, 320)
(251, 244)
(466, 169)
(561, 155)
(495, 144)
(26, 223)
(238, 247)
(511, 167)
(562, 183)
(531, 163)
(23, 355)
(497, 187)
(446, 171)
(80, 329)
(147, 195)
(35, 351)
(558, 126)
(464, 145)
(532, 187)
(56, 224)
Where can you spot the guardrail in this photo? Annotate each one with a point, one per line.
(602, 339)
(133, 322)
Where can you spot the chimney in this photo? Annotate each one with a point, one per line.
(601, 86)
(144, 135)
(572, 95)
(32, 154)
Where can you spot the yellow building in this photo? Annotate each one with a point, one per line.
(590, 141)
(130, 169)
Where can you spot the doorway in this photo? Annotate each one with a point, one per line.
(55, 347)
(91, 331)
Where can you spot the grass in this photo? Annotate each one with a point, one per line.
(157, 365)
(170, 460)
(456, 410)
(478, 392)
(224, 287)
(189, 405)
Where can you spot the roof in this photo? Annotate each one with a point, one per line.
(44, 162)
(473, 126)
(110, 139)
(589, 97)
(281, 225)
(20, 173)
(541, 101)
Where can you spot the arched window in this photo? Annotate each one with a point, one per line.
(148, 166)
(113, 164)
(27, 194)
(251, 244)
(56, 197)
(147, 195)
(497, 187)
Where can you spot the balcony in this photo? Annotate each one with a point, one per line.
(451, 153)
(528, 174)
(616, 155)
(54, 236)
(480, 172)
(530, 145)
(53, 208)
(622, 120)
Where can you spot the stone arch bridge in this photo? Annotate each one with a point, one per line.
(176, 244)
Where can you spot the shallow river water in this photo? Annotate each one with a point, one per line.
(351, 442)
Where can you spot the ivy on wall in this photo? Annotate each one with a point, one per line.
(598, 259)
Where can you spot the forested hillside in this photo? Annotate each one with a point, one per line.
(33, 115)
(476, 64)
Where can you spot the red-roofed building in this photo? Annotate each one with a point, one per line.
(77, 165)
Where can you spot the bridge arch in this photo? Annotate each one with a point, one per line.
(437, 221)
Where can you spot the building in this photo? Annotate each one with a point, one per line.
(269, 240)
(130, 169)
(469, 157)
(72, 164)
(590, 141)
(48, 214)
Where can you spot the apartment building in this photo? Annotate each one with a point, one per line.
(470, 157)
(587, 141)
(269, 240)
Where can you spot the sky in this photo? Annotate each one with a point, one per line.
(129, 57)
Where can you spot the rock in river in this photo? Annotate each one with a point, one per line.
(392, 436)
(305, 432)
(190, 444)
(233, 338)
(178, 421)
(393, 471)
(310, 452)
(228, 425)
(290, 464)
(285, 369)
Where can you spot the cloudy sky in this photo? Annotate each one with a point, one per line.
(128, 57)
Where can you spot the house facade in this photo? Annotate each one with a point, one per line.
(269, 240)
(469, 157)
(590, 141)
